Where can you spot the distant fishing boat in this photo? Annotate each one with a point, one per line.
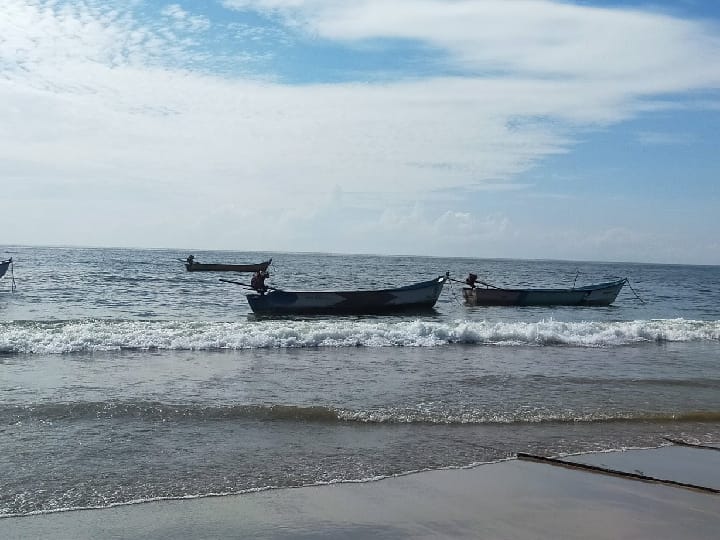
(193, 266)
(4, 265)
(602, 294)
(415, 297)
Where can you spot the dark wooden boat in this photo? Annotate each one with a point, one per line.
(4, 265)
(416, 297)
(193, 266)
(602, 294)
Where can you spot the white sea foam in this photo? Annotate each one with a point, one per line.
(109, 335)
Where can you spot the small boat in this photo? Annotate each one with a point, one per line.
(416, 297)
(602, 294)
(4, 265)
(192, 266)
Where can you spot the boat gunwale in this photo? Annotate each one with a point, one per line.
(225, 267)
(413, 286)
(584, 288)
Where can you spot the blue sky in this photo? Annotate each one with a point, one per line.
(482, 128)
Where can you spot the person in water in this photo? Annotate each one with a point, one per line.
(258, 281)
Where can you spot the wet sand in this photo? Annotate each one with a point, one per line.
(508, 500)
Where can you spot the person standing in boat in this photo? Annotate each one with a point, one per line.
(258, 281)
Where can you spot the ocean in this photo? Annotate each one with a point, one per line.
(124, 378)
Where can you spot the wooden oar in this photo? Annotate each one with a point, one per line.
(478, 281)
(248, 286)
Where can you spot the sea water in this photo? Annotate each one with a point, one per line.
(124, 378)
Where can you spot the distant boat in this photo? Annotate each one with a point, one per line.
(4, 265)
(192, 266)
(602, 294)
(416, 297)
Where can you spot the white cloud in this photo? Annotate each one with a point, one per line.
(183, 20)
(95, 107)
(641, 51)
(465, 224)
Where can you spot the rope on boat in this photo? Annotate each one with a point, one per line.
(11, 266)
(627, 280)
(453, 294)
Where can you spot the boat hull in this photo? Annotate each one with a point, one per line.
(416, 297)
(602, 294)
(4, 266)
(199, 267)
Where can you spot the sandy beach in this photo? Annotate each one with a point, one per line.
(511, 499)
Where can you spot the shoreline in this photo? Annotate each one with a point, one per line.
(504, 499)
(320, 484)
(260, 490)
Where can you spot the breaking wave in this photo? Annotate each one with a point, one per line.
(58, 337)
(162, 412)
(149, 411)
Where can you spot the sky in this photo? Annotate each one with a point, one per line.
(533, 129)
